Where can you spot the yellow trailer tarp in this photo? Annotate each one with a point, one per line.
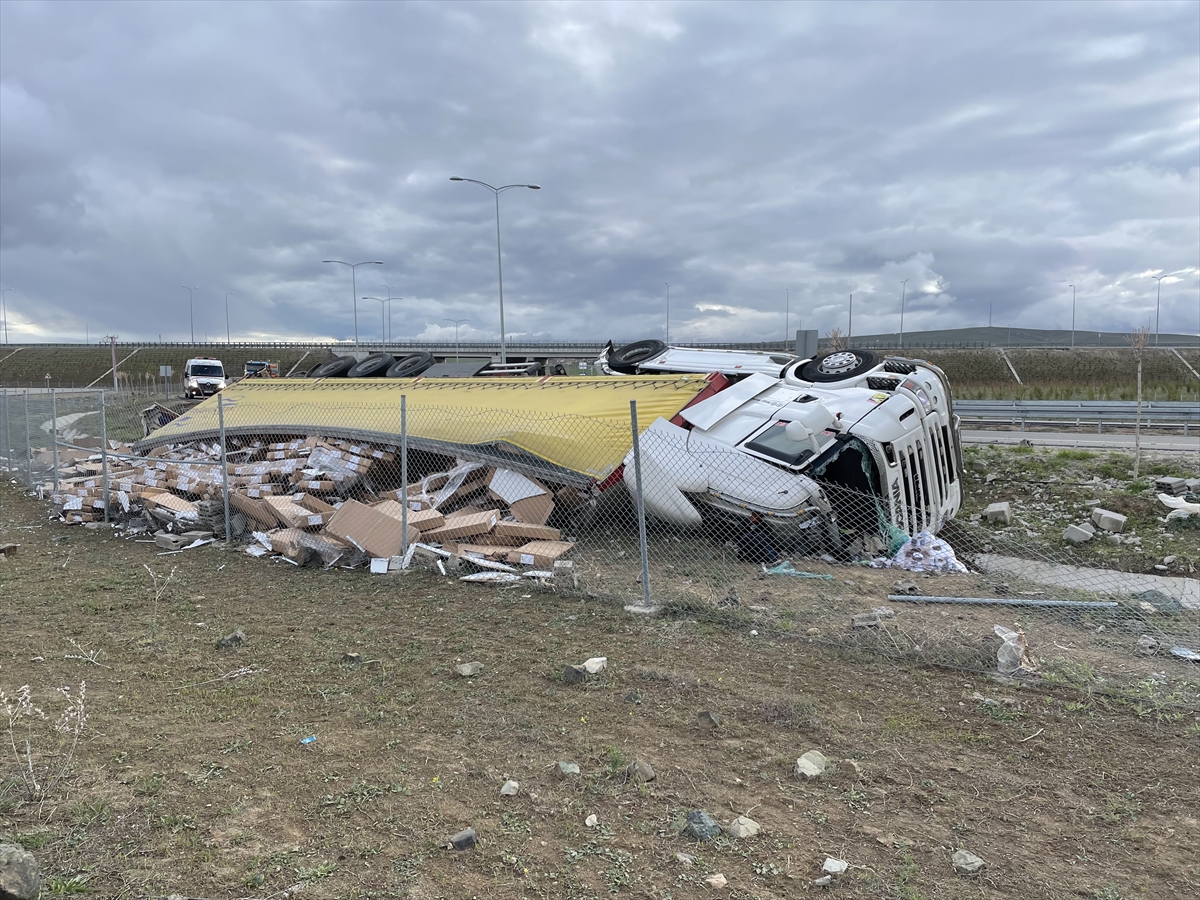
(578, 424)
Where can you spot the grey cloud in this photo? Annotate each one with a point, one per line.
(991, 153)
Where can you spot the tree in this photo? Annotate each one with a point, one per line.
(837, 340)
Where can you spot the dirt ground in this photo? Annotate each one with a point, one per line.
(191, 776)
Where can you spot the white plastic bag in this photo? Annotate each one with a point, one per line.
(1013, 656)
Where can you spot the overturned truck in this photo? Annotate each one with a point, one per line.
(823, 451)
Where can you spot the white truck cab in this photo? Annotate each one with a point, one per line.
(839, 444)
(203, 377)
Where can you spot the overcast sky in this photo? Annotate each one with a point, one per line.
(991, 154)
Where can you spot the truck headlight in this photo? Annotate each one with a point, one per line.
(193, 383)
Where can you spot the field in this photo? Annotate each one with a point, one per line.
(191, 776)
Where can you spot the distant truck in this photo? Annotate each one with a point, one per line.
(203, 377)
(260, 368)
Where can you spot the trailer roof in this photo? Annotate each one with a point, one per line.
(572, 424)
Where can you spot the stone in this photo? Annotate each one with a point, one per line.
(1167, 560)
(813, 632)
(352, 659)
(510, 788)
(743, 827)
(169, 541)
(991, 477)
(464, 840)
(574, 675)
(999, 512)
(231, 640)
(1077, 535)
(1107, 520)
(717, 881)
(1159, 567)
(591, 821)
(874, 617)
(701, 826)
(1156, 602)
(640, 770)
(566, 770)
(811, 764)
(595, 665)
(966, 863)
(708, 720)
(906, 586)
(469, 669)
(1092, 503)
(19, 876)
(1146, 645)
(834, 866)
(686, 858)
(823, 881)
(1088, 527)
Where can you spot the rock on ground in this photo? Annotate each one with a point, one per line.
(19, 877)
(701, 826)
(812, 764)
(639, 770)
(234, 639)
(464, 840)
(966, 863)
(469, 669)
(743, 827)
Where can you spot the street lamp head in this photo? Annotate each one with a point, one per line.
(534, 187)
(456, 178)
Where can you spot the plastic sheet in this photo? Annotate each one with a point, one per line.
(923, 553)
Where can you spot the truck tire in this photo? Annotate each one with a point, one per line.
(625, 359)
(336, 368)
(410, 365)
(374, 366)
(838, 365)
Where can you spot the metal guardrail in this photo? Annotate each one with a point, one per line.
(1117, 413)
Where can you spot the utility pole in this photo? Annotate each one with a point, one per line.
(112, 342)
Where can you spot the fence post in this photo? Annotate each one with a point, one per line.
(646, 606)
(54, 435)
(104, 457)
(224, 466)
(404, 475)
(7, 436)
(28, 445)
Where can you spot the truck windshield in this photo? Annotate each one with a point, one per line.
(202, 369)
(775, 443)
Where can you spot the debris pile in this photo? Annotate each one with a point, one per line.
(319, 500)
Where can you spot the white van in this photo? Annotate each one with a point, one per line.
(203, 377)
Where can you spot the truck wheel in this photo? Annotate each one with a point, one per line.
(838, 365)
(336, 368)
(373, 366)
(625, 359)
(410, 365)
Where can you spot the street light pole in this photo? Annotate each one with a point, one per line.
(191, 317)
(1072, 316)
(903, 291)
(227, 293)
(4, 311)
(456, 321)
(850, 325)
(354, 286)
(1157, 308)
(382, 325)
(787, 313)
(390, 298)
(668, 284)
(497, 191)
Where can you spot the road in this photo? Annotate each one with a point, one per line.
(1158, 443)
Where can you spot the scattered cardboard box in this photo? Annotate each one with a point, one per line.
(541, 554)
(463, 526)
(372, 531)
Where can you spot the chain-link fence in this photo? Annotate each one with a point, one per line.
(816, 535)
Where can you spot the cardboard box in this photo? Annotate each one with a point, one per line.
(177, 505)
(313, 504)
(292, 515)
(527, 531)
(496, 553)
(463, 526)
(257, 513)
(541, 554)
(374, 532)
(422, 520)
(533, 510)
(512, 487)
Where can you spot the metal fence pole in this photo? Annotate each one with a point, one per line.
(224, 467)
(104, 456)
(641, 513)
(7, 436)
(404, 473)
(54, 434)
(28, 446)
